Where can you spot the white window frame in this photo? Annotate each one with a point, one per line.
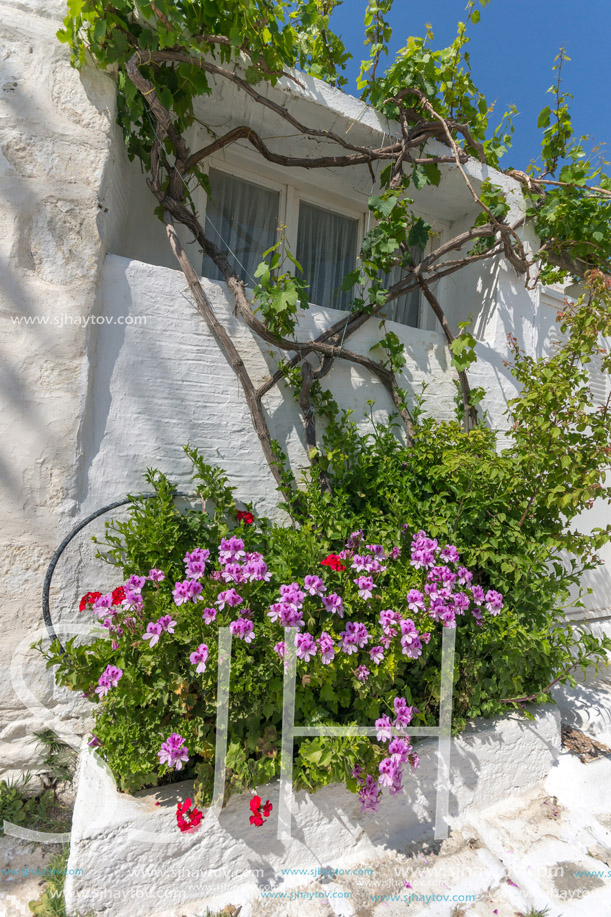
(293, 189)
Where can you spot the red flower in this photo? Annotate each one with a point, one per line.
(333, 561)
(118, 595)
(188, 824)
(88, 599)
(246, 518)
(256, 818)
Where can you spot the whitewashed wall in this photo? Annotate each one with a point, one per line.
(163, 381)
(55, 130)
(84, 410)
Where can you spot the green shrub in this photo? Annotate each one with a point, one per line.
(508, 506)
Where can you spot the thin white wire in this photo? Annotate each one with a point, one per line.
(208, 220)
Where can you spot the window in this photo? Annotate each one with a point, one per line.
(241, 219)
(405, 309)
(326, 250)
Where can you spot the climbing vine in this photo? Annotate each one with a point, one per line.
(168, 57)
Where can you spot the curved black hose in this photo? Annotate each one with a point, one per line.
(46, 588)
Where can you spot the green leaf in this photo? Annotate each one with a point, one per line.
(99, 30)
(544, 117)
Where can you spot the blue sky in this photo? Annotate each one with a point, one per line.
(512, 51)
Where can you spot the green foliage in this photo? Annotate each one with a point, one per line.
(160, 692)
(462, 348)
(278, 296)
(510, 510)
(265, 38)
(377, 35)
(444, 78)
(573, 216)
(14, 805)
(274, 35)
(51, 902)
(42, 810)
(395, 352)
(493, 197)
(59, 759)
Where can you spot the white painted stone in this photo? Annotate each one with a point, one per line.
(587, 704)
(84, 409)
(54, 136)
(131, 851)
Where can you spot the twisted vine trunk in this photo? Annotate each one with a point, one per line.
(168, 182)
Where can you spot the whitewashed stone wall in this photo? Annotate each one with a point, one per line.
(85, 409)
(55, 128)
(223, 863)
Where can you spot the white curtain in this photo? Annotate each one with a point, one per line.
(326, 250)
(241, 220)
(405, 309)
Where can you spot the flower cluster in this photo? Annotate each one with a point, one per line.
(188, 818)
(199, 658)
(108, 679)
(369, 790)
(188, 590)
(88, 599)
(305, 646)
(288, 609)
(239, 566)
(126, 597)
(390, 769)
(154, 629)
(243, 628)
(245, 517)
(173, 752)
(334, 561)
(259, 814)
(195, 562)
(447, 593)
(426, 588)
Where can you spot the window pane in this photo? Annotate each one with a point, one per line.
(241, 220)
(326, 250)
(405, 309)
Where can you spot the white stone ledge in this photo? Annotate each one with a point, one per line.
(135, 862)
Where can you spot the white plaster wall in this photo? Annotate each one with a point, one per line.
(225, 863)
(54, 141)
(163, 381)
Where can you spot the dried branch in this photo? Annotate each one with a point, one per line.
(308, 377)
(322, 162)
(520, 263)
(227, 346)
(178, 56)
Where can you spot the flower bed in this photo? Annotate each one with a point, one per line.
(358, 622)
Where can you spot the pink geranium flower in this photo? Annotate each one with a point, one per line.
(365, 586)
(199, 658)
(153, 632)
(108, 679)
